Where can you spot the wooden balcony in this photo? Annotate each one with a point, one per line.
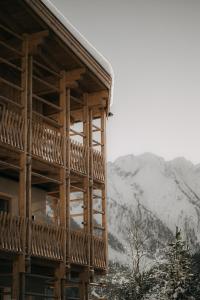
(47, 144)
(98, 166)
(11, 128)
(47, 241)
(78, 156)
(12, 231)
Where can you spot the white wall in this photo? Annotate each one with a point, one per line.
(10, 188)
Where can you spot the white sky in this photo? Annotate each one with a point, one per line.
(154, 48)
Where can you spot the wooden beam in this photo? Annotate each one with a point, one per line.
(35, 39)
(98, 98)
(73, 76)
(60, 270)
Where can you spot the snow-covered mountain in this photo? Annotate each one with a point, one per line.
(159, 194)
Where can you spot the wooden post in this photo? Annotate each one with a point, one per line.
(86, 142)
(29, 164)
(91, 189)
(19, 261)
(60, 270)
(104, 188)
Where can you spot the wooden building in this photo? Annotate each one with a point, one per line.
(55, 95)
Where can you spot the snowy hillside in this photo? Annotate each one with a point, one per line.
(161, 194)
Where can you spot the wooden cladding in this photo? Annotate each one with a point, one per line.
(78, 156)
(12, 233)
(47, 143)
(11, 128)
(98, 166)
(46, 241)
(99, 252)
(79, 247)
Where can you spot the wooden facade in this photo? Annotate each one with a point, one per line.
(54, 101)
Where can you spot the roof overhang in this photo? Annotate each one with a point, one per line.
(59, 24)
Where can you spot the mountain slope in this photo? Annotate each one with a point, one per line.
(160, 194)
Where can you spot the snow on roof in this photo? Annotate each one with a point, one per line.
(87, 45)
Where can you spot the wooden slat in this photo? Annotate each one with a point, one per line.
(42, 66)
(100, 252)
(47, 143)
(79, 247)
(11, 128)
(11, 101)
(47, 102)
(51, 86)
(47, 119)
(5, 61)
(98, 166)
(45, 178)
(11, 233)
(11, 48)
(13, 85)
(11, 32)
(78, 157)
(77, 133)
(46, 241)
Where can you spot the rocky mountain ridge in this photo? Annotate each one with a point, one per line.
(159, 194)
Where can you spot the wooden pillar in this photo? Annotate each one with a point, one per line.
(68, 254)
(86, 142)
(60, 270)
(29, 163)
(91, 221)
(104, 188)
(19, 261)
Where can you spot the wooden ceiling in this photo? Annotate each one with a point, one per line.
(22, 17)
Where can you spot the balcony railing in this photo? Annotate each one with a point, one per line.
(80, 247)
(47, 144)
(12, 232)
(98, 166)
(78, 157)
(47, 241)
(99, 252)
(11, 128)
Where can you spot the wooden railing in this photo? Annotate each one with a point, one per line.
(11, 128)
(47, 143)
(46, 241)
(79, 247)
(12, 231)
(78, 157)
(99, 252)
(98, 166)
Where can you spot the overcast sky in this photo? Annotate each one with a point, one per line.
(154, 48)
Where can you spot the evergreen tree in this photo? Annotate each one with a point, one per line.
(173, 275)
